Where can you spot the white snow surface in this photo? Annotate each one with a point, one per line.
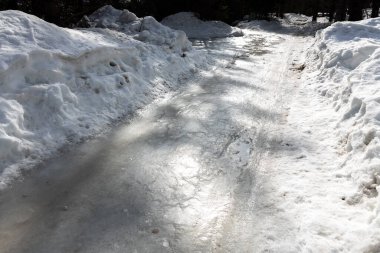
(199, 29)
(59, 85)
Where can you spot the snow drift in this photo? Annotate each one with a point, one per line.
(198, 29)
(344, 65)
(58, 86)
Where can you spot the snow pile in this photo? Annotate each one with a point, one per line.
(145, 29)
(58, 86)
(198, 29)
(344, 64)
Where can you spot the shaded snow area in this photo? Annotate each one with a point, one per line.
(295, 24)
(59, 85)
(199, 29)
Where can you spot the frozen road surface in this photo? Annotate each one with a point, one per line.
(180, 177)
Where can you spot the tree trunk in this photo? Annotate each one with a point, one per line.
(52, 14)
(315, 10)
(355, 10)
(331, 8)
(341, 9)
(375, 8)
(315, 16)
(280, 9)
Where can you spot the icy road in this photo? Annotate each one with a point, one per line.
(182, 176)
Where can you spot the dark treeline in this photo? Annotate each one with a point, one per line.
(67, 12)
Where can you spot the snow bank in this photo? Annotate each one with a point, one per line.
(58, 86)
(198, 29)
(145, 29)
(344, 67)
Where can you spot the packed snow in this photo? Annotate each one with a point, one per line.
(59, 85)
(199, 29)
